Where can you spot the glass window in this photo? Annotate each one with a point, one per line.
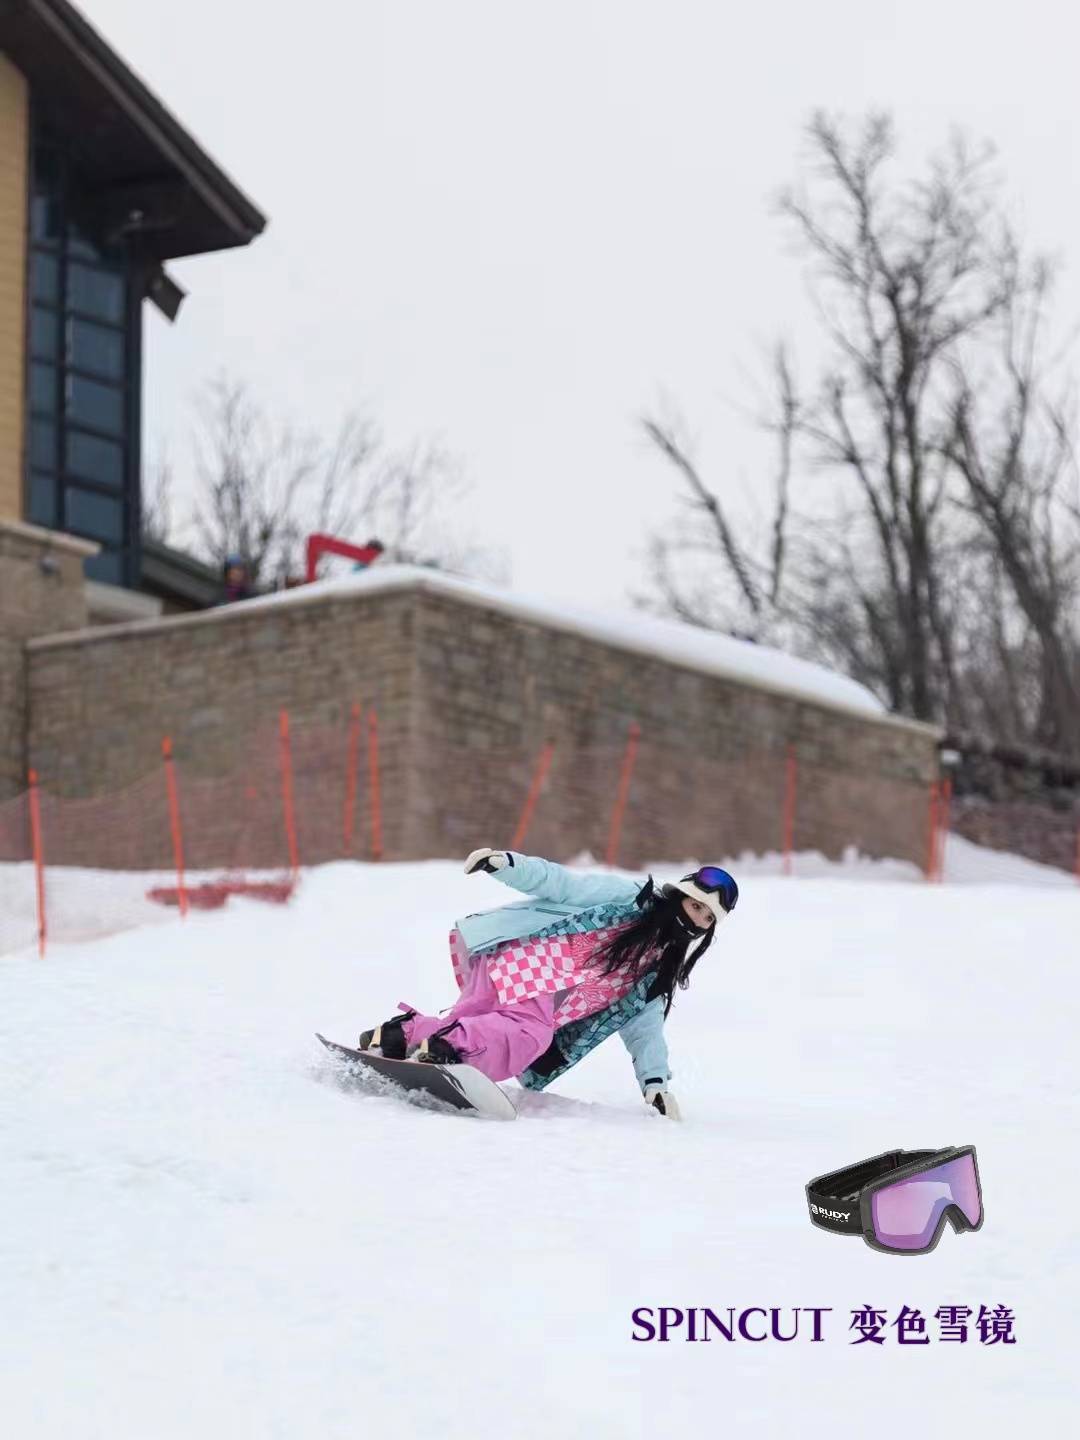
(45, 223)
(82, 391)
(48, 167)
(106, 567)
(101, 406)
(46, 216)
(99, 516)
(44, 277)
(43, 444)
(95, 459)
(43, 389)
(95, 348)
(44, 325)
(42, 499)
(96, 292)
(80, 246)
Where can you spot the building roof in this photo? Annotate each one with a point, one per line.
(178, 577)
(135, 155)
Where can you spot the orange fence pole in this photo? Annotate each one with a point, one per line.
(352, 767)
(623, 793)
(287, 793)
(530, 800)
(373, 786)
(174, 824)
(943, 826)
(39, 858)
(791, 780)
(931, 849)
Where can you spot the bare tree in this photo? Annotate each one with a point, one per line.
(684, 571)
(1015, 453)
(157, 500)
(889, 580)
(265, 487)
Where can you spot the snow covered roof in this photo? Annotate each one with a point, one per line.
(689, 645)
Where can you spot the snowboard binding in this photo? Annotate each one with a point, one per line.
(387, 1039)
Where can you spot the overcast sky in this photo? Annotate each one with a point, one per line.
(513, 227)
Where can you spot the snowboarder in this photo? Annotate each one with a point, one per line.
(545, 980)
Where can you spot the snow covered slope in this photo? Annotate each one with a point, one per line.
(204, 1233)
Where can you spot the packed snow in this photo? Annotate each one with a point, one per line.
(84, 904)
(206, 1231)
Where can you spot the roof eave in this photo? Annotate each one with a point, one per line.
(241, 217)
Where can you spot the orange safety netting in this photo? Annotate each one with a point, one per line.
(184, 836)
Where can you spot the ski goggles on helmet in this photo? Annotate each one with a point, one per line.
(715, 881)
(899, 1202)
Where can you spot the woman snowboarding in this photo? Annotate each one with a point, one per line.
(545, 980)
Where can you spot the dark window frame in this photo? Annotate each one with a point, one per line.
(66, 249)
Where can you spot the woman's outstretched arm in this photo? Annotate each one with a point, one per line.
(546, 880)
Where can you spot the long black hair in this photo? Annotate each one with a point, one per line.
(654, 942)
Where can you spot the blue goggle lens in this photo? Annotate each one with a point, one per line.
(715, 880)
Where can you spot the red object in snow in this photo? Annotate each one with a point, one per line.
(318, 545)
(213, 894)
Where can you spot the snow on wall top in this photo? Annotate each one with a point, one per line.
(688, 645)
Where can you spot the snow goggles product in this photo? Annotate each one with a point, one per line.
(715, 881)
(899, 1202)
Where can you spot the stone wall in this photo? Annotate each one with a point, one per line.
(467, 696)
(1025, 802)
(215, 683)
(709, 777)
(41, 591)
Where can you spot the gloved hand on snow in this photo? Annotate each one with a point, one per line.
(489, 860)
(662, 1100)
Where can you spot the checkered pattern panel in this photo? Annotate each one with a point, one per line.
(535, 966)
(460, 960)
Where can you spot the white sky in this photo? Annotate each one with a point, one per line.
(513, 227)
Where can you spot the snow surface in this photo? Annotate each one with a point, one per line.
(206, 1233)
(85, 904)
(635, 630)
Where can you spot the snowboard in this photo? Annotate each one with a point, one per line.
(461, 1086)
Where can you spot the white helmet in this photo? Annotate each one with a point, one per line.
(710, 886)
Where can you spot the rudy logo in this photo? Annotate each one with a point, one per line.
(830, 1214)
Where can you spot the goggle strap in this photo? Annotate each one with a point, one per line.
(834, 1212)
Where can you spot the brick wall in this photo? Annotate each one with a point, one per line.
(467, 695)
(13, 185)
(41, 592)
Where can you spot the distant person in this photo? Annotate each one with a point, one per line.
(236, 579)
(371, 552)
(544, 983)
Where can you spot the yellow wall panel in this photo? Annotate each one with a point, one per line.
(13, 160)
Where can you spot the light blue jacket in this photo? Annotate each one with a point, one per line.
(559, 894)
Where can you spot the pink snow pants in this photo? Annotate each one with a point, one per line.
(499, 1040)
